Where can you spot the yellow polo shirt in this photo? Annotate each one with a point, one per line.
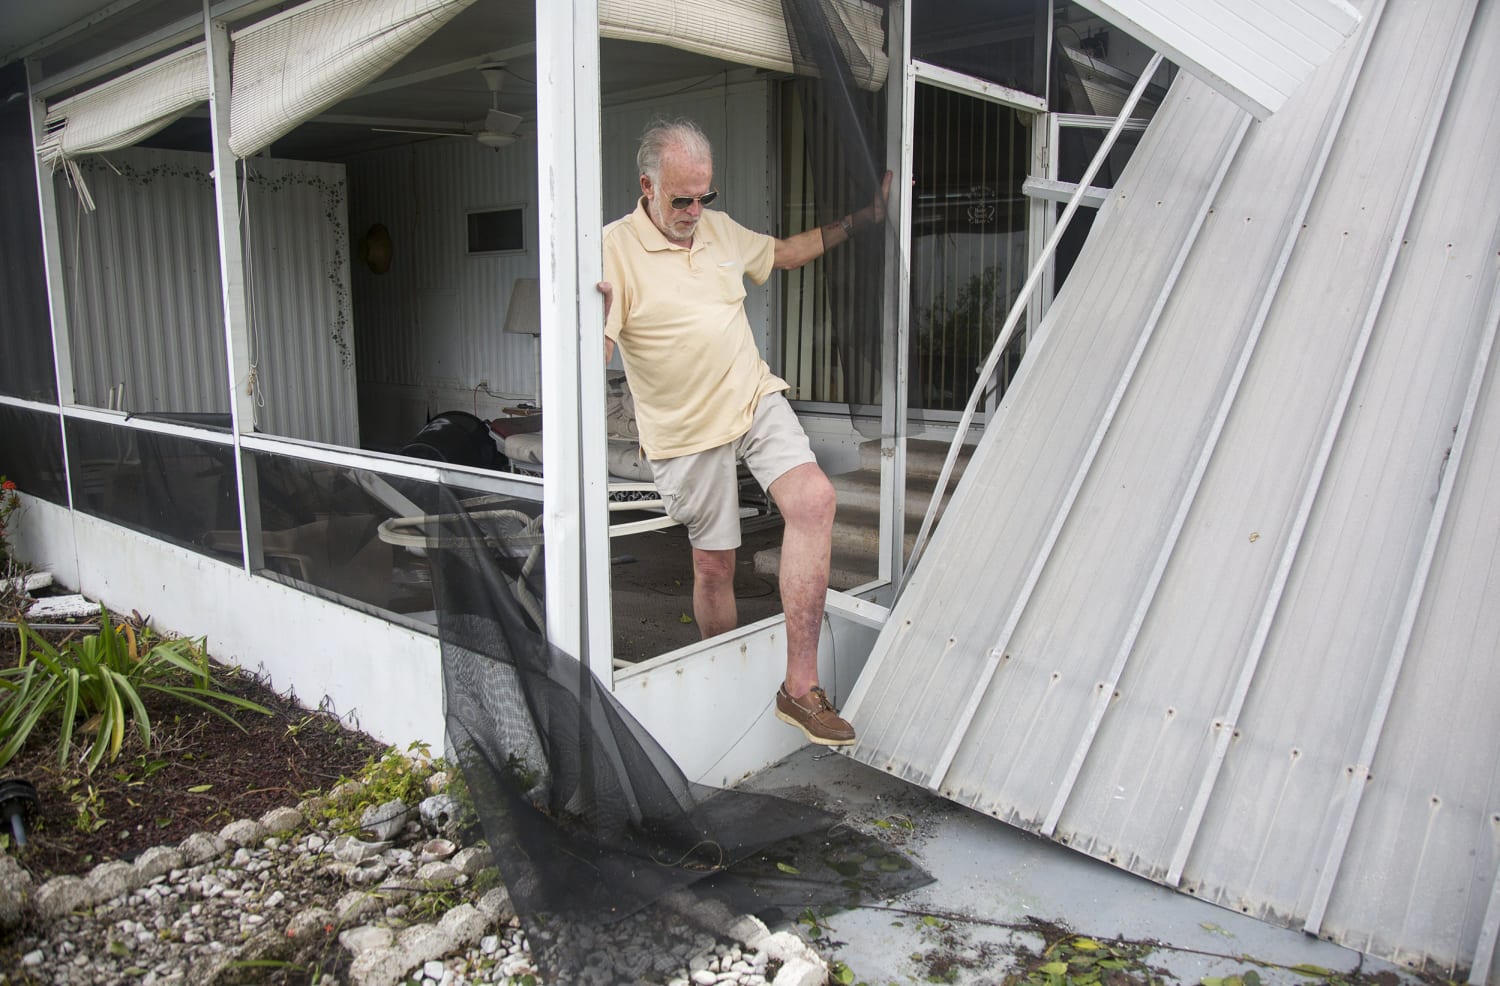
(678, 317)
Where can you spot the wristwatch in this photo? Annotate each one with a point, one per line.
(847, 225)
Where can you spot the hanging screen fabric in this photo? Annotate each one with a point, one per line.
(747, 32)
(127, 109)
(291, 67)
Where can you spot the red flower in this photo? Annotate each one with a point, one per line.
(7, 485)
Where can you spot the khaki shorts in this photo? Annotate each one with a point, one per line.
(701, 490)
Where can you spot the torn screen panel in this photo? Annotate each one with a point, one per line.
(616, 863)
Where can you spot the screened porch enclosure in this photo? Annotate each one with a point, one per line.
(246, 369)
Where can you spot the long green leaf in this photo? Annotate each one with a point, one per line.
(109, 641)
(49, 658)
(196, 697)
(138, 710)
(31, 639)
(36, 709)
(15, 709)
(111, 726)
(70, 714)
(169, 653)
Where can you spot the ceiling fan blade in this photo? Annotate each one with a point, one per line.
(423, 133)
(501, 122)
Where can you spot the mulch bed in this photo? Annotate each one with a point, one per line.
(198, 774)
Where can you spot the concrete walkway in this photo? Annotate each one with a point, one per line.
(1001, 894)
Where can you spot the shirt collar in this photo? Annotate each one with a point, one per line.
(653, 239)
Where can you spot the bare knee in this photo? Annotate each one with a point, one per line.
(713, 568)
(805, 497)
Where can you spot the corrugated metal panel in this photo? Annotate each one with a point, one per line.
(1184, 642)
(142, 281)
(435, 317)
(1257, 52)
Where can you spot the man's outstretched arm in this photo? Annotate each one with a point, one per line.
(809, 245)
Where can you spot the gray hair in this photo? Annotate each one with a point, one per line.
(662, 136)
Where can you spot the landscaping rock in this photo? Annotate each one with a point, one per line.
(15, 891)
(60, 895)
(385, 822)
(279, 821)
(243, 832)
(158, 861)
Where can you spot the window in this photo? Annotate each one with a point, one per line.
(497, 230)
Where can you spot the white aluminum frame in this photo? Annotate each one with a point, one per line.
(569, 203)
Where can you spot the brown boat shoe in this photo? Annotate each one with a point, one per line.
(815, 716)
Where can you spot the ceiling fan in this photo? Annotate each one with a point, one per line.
(496, 128)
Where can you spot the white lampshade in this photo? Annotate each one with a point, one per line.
(524, 314)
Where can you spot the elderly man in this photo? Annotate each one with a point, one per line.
(705, 399)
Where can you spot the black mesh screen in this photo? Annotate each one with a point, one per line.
(329, 530)
(615, 861)
(26, 370)
(178, 489)
(31, 453)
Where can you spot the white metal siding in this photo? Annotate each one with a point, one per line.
(142, 282)
(436, 316)
(1257, 52)
(141, 276)
(302, 339)
(1201, 653)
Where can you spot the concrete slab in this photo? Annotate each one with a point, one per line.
(1001, 896)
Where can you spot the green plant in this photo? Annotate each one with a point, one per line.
(101, 679)
(394, 776)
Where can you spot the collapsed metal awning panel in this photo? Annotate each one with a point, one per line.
(1210, 634)
(1257, 52)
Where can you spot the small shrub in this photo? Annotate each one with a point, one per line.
(101, 679)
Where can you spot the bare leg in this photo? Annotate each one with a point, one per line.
(806, 500)
(713, 592)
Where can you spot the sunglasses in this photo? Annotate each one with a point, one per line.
(681, 202)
